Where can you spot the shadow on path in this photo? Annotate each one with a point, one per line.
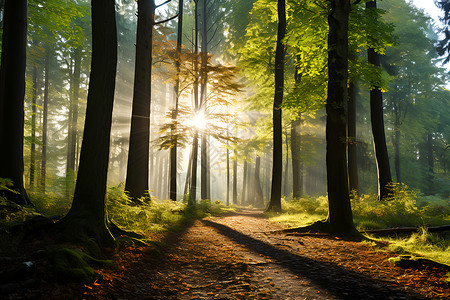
(342, 283)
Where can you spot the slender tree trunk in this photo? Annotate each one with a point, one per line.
(235, 178)
(340, 219)
(251, 186)
(33, 130)
(87, 216)
(228, 176)
(259, 198)
(45, 122)
(203, 104)
(12, 96)
(193, 189)
(351, 143)
(275, 197)
(397, 153)
(244, 184)
(377, 119)
(296, 160)
(173, 150)
(73, 122)
(188, 175)
(286, 168)
(430, 162)
(138, 155)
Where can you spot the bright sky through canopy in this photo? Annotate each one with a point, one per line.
(429, 7)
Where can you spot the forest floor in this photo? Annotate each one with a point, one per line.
(242, 255)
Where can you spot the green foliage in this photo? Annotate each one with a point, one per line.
(73, 264)
(142, 217)
(11, 212)
(432, 245)
(50, 204)
(155, 215)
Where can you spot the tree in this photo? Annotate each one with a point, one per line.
(12, 93)
(87, 216)
(340, 219)
(173, 150)
(377, 120)
(136, 183)
(443, 46)
(275, 196)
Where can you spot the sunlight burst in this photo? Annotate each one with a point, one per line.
(199, 120)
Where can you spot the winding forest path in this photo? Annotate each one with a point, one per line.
(238, 256)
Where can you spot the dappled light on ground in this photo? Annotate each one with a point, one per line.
(244, 256)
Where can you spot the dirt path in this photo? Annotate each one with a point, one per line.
(238, 257)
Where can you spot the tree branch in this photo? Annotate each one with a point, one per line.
(166, 20)
(165, 2)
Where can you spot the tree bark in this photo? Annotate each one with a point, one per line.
(45, 122)
(296, 160)
(228, 176)
(173, 150)
(275, 196)
(33, 130)
(235, 178)
(351, 143)
(12, 96)
(259, 198)
(430, 163)
(244, 184)
(377, 120)
(340, 219)
(87, 216)
(136, 183)
(286, 168)
(193, 188)
(73, 121)
(203, 104)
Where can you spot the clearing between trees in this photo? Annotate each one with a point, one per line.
(243, 255)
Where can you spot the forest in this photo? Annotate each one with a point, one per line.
(218, 149)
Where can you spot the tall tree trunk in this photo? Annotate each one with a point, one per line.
(244, 185)
(351, 143)
(33, 130)
(430, 162)
(173, 150)
(259, 198)
(377, 120)
(188, 176)
(235, 178)
(296, 160)
(73, 121)
(397, 153)
(12, 96)
(203, 104)
(193, 187)
(286, 168)
(136, 183)
(43, 182)
(275, 196)
(340, 219)
(87, 216)
(228, 176)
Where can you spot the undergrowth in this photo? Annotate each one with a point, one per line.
(404, 207)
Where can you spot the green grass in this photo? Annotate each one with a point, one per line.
(405, 207)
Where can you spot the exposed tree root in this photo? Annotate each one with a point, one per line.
(323, 226)
(408, 261)
(405, 230)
